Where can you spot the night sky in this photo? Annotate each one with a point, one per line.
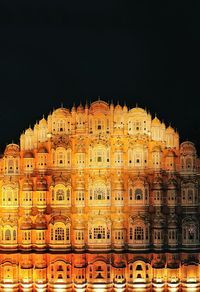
(145, 52)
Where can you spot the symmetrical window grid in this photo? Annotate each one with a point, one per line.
(99, 193)
(80, 235)
(137, 194)
(9, 234)
(9, 196)
(61, 194)
(40, 235)
(99, 232)
(60, 234)
(190, 233)
(119, 235)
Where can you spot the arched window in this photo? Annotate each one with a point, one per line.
(139, 233)
(118, 156)
(68, 194)
(156, 158)
(190, 195)
(60, 195)
(61, 126)
(99, 193)
(99, 156)
(7, 234)
(10, 166)
(14, 235)
(9, 196)
(138, 194)
(26, 235)
(189, 163)
(59, 234)
(62, 157)
(131, 233)
(130, 194)
(182, 163)
(99, 232)
(190, 233)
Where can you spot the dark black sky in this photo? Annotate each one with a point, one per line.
(145, 52)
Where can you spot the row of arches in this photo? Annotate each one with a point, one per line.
(99, 156)
(99, 270)
(99, 193)
(60, 231)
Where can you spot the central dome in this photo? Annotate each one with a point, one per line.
(138, 110)
(99, 106)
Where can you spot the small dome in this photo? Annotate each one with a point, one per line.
(36, 126)
(163, 126)
(27, 185)
(187, 147)
(59, 218)
(61, 113)
(26, 223)
(42, 122)
(28, 154)
(41, 184)
(172, 183)
(12, 149)
(26, 265)
(80, 109)
(137, 110)
(40, 222)
(42, 150)
(60, 179)
(41, 265)
(119, 185)
(170, 130)
(156, 122)
(118, 108)
(125, 109)
(99, 106)
(157, 180)
(29, 131)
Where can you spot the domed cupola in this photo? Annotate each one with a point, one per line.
(12, 150)
(26, 223)
(41, 184)
(156, 122)
(42, 150)
(28, 154)
(27, 185)
(60, 113)
(40, 222)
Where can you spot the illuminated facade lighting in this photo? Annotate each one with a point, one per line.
(99, 198)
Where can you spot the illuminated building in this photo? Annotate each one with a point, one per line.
(99, 198)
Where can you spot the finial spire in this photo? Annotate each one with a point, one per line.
(86, 103)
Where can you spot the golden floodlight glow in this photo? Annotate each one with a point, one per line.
(101, 197)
